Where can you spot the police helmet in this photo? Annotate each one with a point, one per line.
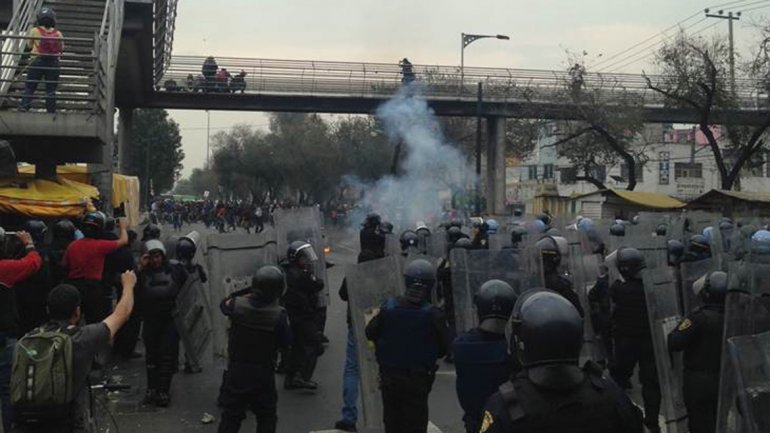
(453, 234)
(64, 230)
(550, 252)
(518, 234)
(419, 279)
(708, 233)
(545, 218)
(154, 245)
(618, 229)
(185, 250)
(151, 231)
(46, 17)
(372, 220)
(546, 329)
(585, 224)
(109, 224)
(726, 225)
(463, 243)
(712, 287)
(495, 300)
(409, 239)
(386, 228)
(37, 229)
(268, 283)
(760, 242)
(635, 220)
(675, 251)
(95, 220)
(661, 230)
(538, 226)
(699, 244)
(492, 226)
(630, 263)
(299, 249)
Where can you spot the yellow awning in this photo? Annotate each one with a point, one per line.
(649, 199)
(45, 198)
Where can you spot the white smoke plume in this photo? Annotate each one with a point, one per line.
(430, 170)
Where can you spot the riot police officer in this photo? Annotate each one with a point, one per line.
(409, 242)
(518, 234)
(699, 336)
(159, 285)
(552, 393)
(698, 249)
(409, 336)
(632, 338)
(370, 237)
(186, 248)
(259, 327)
(618, 229)
(301, 301)
(479, 234)
(151, 231)
(551, 256)
(482, 360)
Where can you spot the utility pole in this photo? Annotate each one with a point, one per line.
(479, 102)
(465, 40)
(730, 17)
(208, 137)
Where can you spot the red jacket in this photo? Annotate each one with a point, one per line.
(14, 271)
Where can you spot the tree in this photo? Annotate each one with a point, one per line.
(694, 75)
(156, 154)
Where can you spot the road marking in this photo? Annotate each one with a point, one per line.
(431, 429)
(446, 373)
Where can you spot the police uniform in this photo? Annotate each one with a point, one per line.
(581, 400)
(301, 301)
(699, 335)
(563, 286)
(409, 338)
(482, 363)
(257, 331)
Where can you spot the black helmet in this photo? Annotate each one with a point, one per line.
(185, 250)
(726, 226)
(546, 329)
(409, 239)
(712, 287)
(386, 228)
(298, 249)
(630, 263)
(661, 230)
(545, 218)
(268, 283)
(64, 230)
(46, 17)
(463, 243)
(550, 252)
(518, 234)
(495, 300)
(453, 234)
(92, 224)
(151, 231)
(37, 229)
(675, 252)
(372, 220)
(699, 244)
(419, 279)
(618, 229)
(109, 224)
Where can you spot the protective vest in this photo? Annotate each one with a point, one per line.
(629, 318)
(159, 291)
(252, 331)
(408, 339)
(482, 364)
(705, 354)
(587, 407)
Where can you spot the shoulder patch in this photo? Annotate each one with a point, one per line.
(486, 422)
(686, 323)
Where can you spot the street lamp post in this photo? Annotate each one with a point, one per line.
(467, 39)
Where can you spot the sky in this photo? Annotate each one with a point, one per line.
(428, 32)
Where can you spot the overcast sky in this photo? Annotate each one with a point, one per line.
(428, 32)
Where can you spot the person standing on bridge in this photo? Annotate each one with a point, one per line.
(406, 71)
(45, 46)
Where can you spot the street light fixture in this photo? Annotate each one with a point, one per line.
(467, 39)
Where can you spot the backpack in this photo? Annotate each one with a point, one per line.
(42, 373)
(50, 44)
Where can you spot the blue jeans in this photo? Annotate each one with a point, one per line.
(6, 361)
(42, 70)
(350, 382)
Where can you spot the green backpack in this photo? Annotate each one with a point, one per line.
(41, 379)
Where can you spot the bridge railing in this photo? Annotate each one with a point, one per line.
(24, 16)
(322, 78)
(164, 24)
(107, 50)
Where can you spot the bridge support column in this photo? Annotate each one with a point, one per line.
(495, 191)
(125, 139)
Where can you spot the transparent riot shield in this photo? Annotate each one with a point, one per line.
(193, 319)
(369, 285)
(392, 245)
(663, 309)
(750, 361)
(303, 224)
(690, 273)
(231, 260)
(471, 269)
(498, 241)
(747, 312)
(584, 272)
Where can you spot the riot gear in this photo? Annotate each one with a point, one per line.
(93, 224)
(545, 218)
(675, 250)
(453, 234)
(494, 304)
(298, 250)
(518, 234)
(712, 287)
(151, 231)
(550, 253)
(546, 328)
(64, 230)
(187, 246)
(699, 245)
(419, 277)
(372, 220)
(492, 226)
(661, 230)
(760, 242)
(154, 245)
(630, 263)
(464, 243)
(386, 228)
(268, 283)
(37, 229)
(409, 239)
(618, 229)
(635, 220)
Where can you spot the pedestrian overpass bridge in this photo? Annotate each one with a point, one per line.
(118, 56)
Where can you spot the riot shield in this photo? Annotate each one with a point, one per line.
(750, 361)
(392, 245)
(231, 260)
(690, 273)
(498, 241)
(584, 270)
(663, 310)
(747, 312)
(369, 285)
(303, 224)
(193, 319)
(471, 269)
